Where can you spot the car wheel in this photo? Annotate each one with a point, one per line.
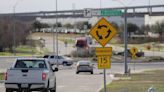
(77, 72)
(26, 91)
(64, 63)
(45, 90)
(19, 90)
(9, 90)
(53, 89)
(91, 72)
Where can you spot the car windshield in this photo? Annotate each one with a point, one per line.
(84, 63)
(30, 64)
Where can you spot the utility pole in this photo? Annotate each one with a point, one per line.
(57, 31)
(125, 41)
(125, 38)
(14, 31)
(14, 28)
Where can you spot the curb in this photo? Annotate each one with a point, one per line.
(2, 81)
(111, 77)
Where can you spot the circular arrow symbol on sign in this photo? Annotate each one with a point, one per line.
(100, 36)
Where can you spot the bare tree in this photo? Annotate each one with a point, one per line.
(6, 33)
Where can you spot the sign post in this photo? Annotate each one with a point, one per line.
(134, 51)
(103, 32)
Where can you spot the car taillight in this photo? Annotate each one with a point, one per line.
(44, 75)
(5, 76)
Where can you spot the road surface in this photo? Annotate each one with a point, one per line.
(69, 81)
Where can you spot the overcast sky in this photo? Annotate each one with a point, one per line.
(6, 6)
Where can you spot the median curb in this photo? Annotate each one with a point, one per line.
(111, 77)
(2, 81)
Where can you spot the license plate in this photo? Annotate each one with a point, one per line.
(24, 85)
(84, 68)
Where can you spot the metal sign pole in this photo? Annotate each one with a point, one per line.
(57, 32)
(104, 80)
(125, 42)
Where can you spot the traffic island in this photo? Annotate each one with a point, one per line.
(138, 82)
(1, 77)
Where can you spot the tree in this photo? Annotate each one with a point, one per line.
(159, 27)
(115, 25)
(68, 25)
(87, 24)
(6, 33)
(79, 25)
(132, 28)
(58, 24)
(83, 25)
(45, 25)
(37, 25)
(145, 29)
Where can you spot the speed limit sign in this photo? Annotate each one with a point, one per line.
(104, 62)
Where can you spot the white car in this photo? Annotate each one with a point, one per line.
(84, 66)
(60, 60)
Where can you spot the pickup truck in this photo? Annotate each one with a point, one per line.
(30, 74)
(60, 60)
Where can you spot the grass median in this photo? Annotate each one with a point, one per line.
(1, 76)
(139, 82)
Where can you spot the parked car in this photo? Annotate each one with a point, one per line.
(34, 74)
(60, 60)
(139, 54)
(84, 66)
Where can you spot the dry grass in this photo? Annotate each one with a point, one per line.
(139, 82)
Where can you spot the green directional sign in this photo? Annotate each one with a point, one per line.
(106, 12)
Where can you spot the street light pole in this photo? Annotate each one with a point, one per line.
(100, 4)
(14, 38)
(14, 29)
(57, 31)
(125, 41)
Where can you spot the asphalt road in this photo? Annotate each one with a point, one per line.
(69, 81)
(62, 48)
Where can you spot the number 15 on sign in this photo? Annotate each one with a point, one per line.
(104, 62)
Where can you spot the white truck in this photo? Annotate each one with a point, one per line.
(30, 74)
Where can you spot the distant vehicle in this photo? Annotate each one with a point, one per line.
(28, 75)
(84, 66)
(61, 60)
(83, 42)
(139, 54)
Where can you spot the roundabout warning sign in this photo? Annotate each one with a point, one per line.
(103, 31)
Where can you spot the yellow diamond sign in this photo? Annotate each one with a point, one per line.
(103, 31)
(134, 50)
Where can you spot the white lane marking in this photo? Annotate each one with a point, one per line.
(62, 86)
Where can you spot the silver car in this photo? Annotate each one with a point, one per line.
(84, 66)
(61, 60)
